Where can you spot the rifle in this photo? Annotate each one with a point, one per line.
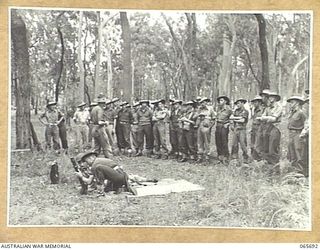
(84, 186)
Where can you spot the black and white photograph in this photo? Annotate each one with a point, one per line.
(151, 118)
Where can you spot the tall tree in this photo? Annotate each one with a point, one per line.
(80, 62)
(21, 78)
(265, 82)
(126, 83)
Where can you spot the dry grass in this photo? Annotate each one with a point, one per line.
(234, 196)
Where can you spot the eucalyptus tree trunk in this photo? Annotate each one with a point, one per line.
(81, 96)
(21, 73)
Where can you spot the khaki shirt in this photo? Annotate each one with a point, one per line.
(52, 116)
(160, 115)
(224, 114)
(243, 113)
(96, 115)
(81, 116)
(145, 116)
(274, 112)
(296, 120)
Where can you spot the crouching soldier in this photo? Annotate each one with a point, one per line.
(107, 172)
(240, 120)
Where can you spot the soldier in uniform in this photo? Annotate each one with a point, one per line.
(159, 129)
(205, 122)
(107, 172)
(304, 136)
(51, 115)
(296, 121)
(144, 115)
(174, 129)
(124, 120)
(81, 119)
(272, 117)
(240, 120)
(188, 120)
(222, 128)
(91, 106)
(135, 129)
(110, 115)
(255, 135)
(98, 129)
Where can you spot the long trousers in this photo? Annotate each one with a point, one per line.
(145, 131)
(136, 139)
(111, 136)
(124, 136)
(203, 140)
(222, 140)
(63, 135)
(100, 140)
(254, 140)
(52, 133)
(174, 138)
(305, 155)
(82, 132)
(239, 137)
(187, 142)
(159, 134)
(294, 146)
(271, 143)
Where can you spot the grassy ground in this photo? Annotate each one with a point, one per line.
(234, 196)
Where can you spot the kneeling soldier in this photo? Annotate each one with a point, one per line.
(107, 172)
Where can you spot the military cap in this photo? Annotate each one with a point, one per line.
(115, 100)
(225, 98)
(177, 101)
(171, 100)
(78, 157)
(274, 94)
(240, 100)
(257, 98)
(145, 101)
(102, 100)
(135, 104)
(108, 101)
(81, 104)
(204, 99)
(265, 92)
(198, 98)
(87, 154)
(124, 103)
(190, 103)
(163, 101)
(296, 98)
(52, 103)
(92, 104)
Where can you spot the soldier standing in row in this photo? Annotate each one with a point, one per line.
(255, 135)
(144, 115)
(272, 134)
(53, 118)
(188, 121)
(98, 129)
(240, 120)
(174, 129)
(135, 130)
(222, 129)
(81, 119)
(124, 121)
(304, 136)
(296, 121)
(205, 122)
(91, 106)
(159, 119)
